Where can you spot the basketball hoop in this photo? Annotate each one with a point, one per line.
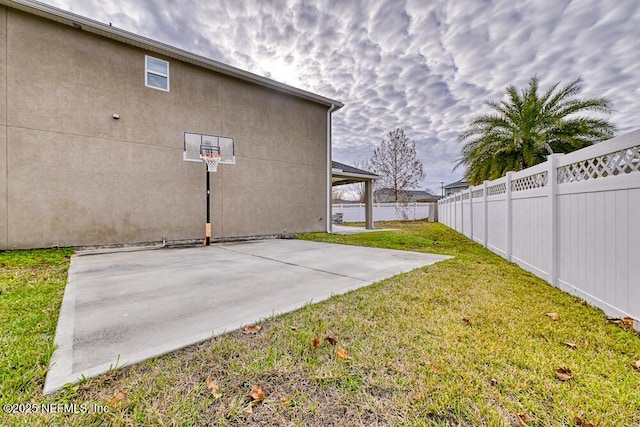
(211, 156)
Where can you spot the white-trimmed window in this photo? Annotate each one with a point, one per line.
(156, 73)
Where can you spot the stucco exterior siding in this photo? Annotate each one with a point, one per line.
(3, 65)
(3, 127)
(87, 191)
(74, 176)
(3, 188)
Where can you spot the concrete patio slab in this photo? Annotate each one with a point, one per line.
(124, 307)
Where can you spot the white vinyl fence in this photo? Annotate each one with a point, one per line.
(573, 221)
(354, 212)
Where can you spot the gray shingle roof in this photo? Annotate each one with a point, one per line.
(460, 183)
(350, 169)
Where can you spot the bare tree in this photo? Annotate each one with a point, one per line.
(396, 160)
(337, 195)
(359, 188)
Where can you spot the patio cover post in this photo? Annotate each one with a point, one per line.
(368, 204)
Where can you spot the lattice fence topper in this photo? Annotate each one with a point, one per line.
(465, 196)
(617, 163)
(477, 193)
(530, 182)
(497, 189)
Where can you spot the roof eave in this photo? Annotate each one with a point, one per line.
(340, 173)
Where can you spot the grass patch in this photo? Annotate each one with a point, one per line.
(413, 359)
(31, 289)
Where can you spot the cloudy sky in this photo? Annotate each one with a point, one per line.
(422, 65)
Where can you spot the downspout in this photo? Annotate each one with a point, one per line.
(329, 168)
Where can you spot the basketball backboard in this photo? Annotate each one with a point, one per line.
(196, 143)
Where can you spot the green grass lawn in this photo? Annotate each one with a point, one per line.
(462, 342)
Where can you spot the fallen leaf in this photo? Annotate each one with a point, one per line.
(564, 374)
(252, 329)
(118, 397)
(331, 340)
(553, 316)
(494, 381)
(285, 400)
(39, 325)
(636, 365)
(342, 353)
(294, 328)
(525, 417)
(257, 395)
(435, 369)
(315, 342)
(578, 421)
(466, 321)
(214, 387)
(627, 322)
(571, 345)
(248, 409)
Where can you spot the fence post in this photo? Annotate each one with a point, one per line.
(461, 213)
(471, 213)
(454, 213)
(552, 182)
(509, 219)
(485, 216)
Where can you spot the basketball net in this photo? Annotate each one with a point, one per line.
(211, 159)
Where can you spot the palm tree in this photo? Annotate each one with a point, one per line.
(528, 127)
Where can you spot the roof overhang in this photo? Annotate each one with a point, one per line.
(340, 177)
(85, 24)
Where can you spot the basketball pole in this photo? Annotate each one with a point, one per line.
(207, 227)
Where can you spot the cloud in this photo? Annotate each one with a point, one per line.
(427, 67)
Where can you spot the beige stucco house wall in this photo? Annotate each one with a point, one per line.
(72, 175)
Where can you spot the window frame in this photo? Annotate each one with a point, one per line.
(147, 71)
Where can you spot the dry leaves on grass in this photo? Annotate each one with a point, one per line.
(252, 329)
(580, 422)
(342, 354)
(571, 345)
(523, 419)
(331, 340)
(625, 322)
(636, 365)
(466, 321)
(553, 316)
(256, 395)
(315, 342)
(286, 400)
(214, 387)
(564, 374)
(117, 397)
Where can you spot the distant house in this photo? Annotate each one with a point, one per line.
(387, 195)
(455, 187)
